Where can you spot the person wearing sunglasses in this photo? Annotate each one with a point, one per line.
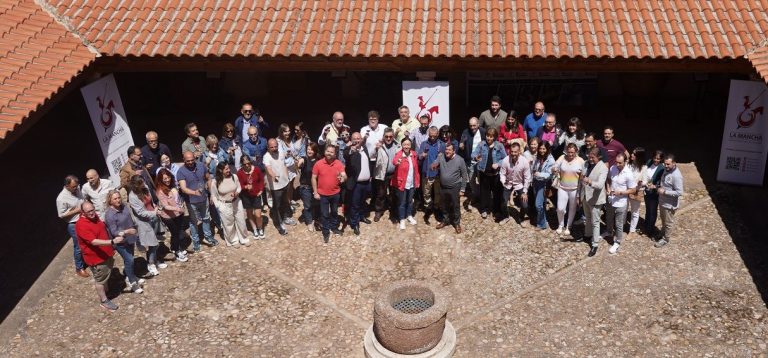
(249, 117)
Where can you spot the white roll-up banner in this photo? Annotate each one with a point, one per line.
(429, 98)
(744, 149)
(108, 116)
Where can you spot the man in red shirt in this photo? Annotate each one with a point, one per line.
(327, 176)
(611, 146)
(97, 249)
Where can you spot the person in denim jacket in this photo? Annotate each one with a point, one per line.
(489, 156)
(542, 172)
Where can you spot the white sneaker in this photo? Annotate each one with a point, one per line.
(567, 232)
(139, 282)
(559, 230)
(504, 221)
(152, 270)
(402, 225)
(245, 242)
(162, 265)
(614, 249)
(411, 220)
(181, 256)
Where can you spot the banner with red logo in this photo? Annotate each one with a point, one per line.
(429, 98)
(744, 149)
(108, 116)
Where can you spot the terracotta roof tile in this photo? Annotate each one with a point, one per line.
(759, 59)
(38, 56)
(569, 28)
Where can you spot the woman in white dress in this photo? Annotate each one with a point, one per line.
(225, 191)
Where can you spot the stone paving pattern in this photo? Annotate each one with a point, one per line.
(514, 292)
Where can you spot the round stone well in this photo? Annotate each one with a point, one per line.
(409, 318)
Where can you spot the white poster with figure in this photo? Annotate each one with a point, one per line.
(108, 116)
(430, 98)
(744, 150)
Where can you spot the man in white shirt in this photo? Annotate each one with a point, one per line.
(620, 184)
(515, 176)
(68, 207)
(358, 183)
(96, 191)
(373, 134)
(277, 182)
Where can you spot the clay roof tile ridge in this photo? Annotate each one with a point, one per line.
(66, 23)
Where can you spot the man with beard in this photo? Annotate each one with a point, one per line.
(249, 117)
(611, 146)
(493, 117)
(194, 142)
(277, 182)
(669, 198)
(134, 167)
(98, 249)
(194, 181)
(515, 176)
(327, 176)
(385, 195)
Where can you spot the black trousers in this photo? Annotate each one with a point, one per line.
(490, 193)
(451, 205)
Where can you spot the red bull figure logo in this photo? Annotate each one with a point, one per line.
(749, 115)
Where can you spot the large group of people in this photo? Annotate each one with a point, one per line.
(506, 167)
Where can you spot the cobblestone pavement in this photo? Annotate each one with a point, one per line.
(514, 292)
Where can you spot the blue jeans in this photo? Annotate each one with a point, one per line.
(651, 213)
(199, 212)
(151, 255)
(405, 200)
(78, 255)
(361, 191)
(309, 213)
(126, 252)
(539, 187)
(329, 206)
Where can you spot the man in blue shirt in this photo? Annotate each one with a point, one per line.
(249, 117)
(534, 121)
(193, 181)
(254, 146)
(430, 178)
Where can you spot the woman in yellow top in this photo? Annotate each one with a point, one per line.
(568, 168)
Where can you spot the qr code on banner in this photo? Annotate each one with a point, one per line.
(117, 163)
(733, 163)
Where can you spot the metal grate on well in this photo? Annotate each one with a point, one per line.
(412, 305)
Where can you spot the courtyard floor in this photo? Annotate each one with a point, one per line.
(513, 292)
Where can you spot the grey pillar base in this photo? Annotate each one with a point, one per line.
(443, 349)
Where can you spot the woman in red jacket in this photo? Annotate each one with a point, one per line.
(511, 131)
(252, 181)
(405, 180)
